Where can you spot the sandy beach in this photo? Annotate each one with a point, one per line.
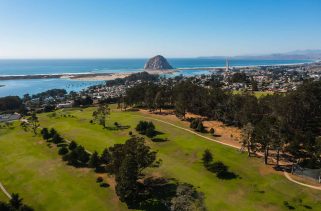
(112, 76)
(99, 77)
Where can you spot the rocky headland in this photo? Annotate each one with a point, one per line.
(157, 63)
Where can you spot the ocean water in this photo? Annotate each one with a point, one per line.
(60, 66)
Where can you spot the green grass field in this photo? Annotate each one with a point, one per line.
(38, 174)
(257, 94)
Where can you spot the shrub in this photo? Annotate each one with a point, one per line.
(45, 133)
(72, 145)
(104, 185)
(63, 144)
(197, 125)
(194, 123)
(52, 132)
(94, 161)
(130, 133)
(146, 128)
(200, 127)
(99, 179)
(212, 131)
(82, 155)
(63, 151)
(106, 156)
(57, 139)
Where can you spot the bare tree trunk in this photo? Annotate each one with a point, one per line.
(249, 149)
(266, 155)
(278, 157)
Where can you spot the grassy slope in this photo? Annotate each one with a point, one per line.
(37, 173)
(258, 188)
(257, 94)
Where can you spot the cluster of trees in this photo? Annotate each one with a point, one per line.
(15, 204)
(146, 128)
(239, 78)
(83, 101)
(54, 93)
(150, 95)
(141, 76)
(10, 104)
(76, 155)
(197, 124)
(45, 100)
(217, 167)
(289, 122)
(187, 198)
(128, 161)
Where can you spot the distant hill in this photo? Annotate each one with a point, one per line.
(293, 55)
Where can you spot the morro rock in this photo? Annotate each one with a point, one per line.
(157, 63)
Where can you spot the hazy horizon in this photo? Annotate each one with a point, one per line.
(194, 57)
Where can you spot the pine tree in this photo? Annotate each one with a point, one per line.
(94, 161)
(106, 157)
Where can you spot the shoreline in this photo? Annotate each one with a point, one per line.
(84, 76)
(111, 76)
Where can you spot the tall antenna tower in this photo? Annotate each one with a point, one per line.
(227, 65)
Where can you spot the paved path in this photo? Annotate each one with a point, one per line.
(5, 191)
(191, 131)
(230, 145)
(287, 175)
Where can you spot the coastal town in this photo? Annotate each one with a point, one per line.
(160, 105)
(261, 79)
(268, 79)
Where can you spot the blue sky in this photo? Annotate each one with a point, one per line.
(143, 28)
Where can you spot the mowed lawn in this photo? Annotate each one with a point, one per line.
(35, 171)
(258, 186)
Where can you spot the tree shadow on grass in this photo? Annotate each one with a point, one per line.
(160, 139)
(221, 171)
(119, 127)
(159, 192)
(227, 175)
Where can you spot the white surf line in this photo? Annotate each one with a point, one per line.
(300, 183)
(5, 191)
(230, 145)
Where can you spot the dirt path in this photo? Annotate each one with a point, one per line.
(226, 144)
(5, 191)
(236, 146)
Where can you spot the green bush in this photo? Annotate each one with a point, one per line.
(146, 128)
(63, 151)
(99, 179)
